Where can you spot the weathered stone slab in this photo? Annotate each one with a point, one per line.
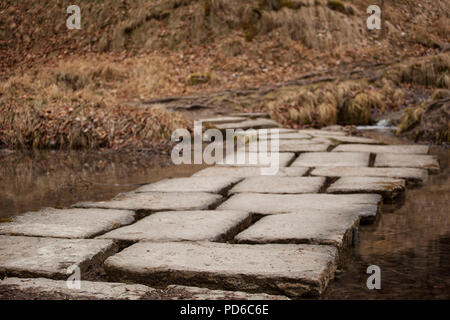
(407, 160)
(415, 149)
(302, 227)
(191, 184)
(44, 289)
(260, 123)
(50, 257)
(413, 176)
(332, 159)
(389, 188)
(252, 115)
(244, 172)
(292, 146)
(175, 292)
(288, 269)
(285, 136)
(270, 184)
(316, 132)
(284, 159)
(352, 139)
(184, 226)
(157, 201)
(364, 205)
(67, 223)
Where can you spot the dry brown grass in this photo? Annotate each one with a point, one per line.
(411, 117)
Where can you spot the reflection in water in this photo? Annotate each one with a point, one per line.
(59, 179)
(411, 245)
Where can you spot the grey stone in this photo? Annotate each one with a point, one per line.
(287, 269)
(50, 257)
(40, 288)
(416, 149)
(291, 146)
(413, 176)
(184, 226)
(352, 139)
(67, 223)
(332, 159)
(302, 227)
(389, 188)
(176, 292)
(252, 115)
(157, 201)
(270, 184)
(245, 172)
(259, 123)
(364, 205)
(407, 160)
(316, 132)
(285, 136)
(191, 184)
(285, 158)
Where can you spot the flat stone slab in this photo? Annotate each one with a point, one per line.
(302, 227)
(260, 123)
(176, 292)
(43, 289)
(221, 120)
(157, 201)
(244, 172)
(270, 184)
(50, 257)
(407, 160)
(252, 115)
(191, 184)
(285, 136)
(67, 223)
(389, 188)
(287, 269)
(364, 205)
(284, 159)
(184, 226)
(408, 149)
(413, 176)
(332, 159)
(293, 146)
(316, 132)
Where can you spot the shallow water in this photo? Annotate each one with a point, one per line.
(59, 179)
(411, 245)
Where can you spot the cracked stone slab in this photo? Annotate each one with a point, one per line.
(41, 288)
(288, 269)
(428, 162)
(284, 159)
(413, 176)
(157, 201)
(260, 123)
(244, 172)
(413, 149)
(50, 257)
(302, 227)
(177, 292)
(67, 223)
(184, 226)
(332, 159)
(270, 184)
(364, 205)
(389, 188)
(191, 184)
(293, 146)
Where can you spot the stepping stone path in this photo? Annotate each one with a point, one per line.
(227, 232)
